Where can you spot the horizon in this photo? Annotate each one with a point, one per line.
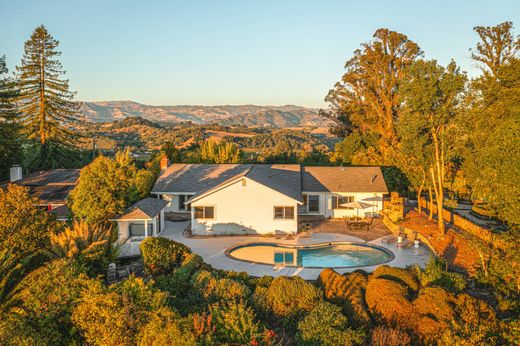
(232, 53)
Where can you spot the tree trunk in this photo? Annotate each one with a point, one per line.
(430, 209)
(437, 174)
(419, 192)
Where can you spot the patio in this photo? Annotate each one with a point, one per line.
(212, 250)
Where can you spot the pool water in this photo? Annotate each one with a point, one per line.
(327, 255)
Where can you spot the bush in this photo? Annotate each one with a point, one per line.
(164, 329)
(435, 273)
(48, 296)
(235, 323)
(115, 316)
(388, 301)
(434, 306)
(403, 276)
(161, 255)
(347, 291)
(215, 289)
(388, 336)
(326, 325)
(287, 300)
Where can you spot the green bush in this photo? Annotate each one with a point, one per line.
(326, 325)
(435, 273)
(48, 296)
(161, 255)
(215, 289)
(235, 323)
(287, 300)
(164, 329)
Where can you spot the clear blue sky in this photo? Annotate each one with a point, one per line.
(233, 52)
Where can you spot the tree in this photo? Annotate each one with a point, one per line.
(24, 227)
(105, 188)
(224, 152)
(46, 104)
(367, 97)
(497, 47)
(431, 95)
(492, 158)
(10, 148)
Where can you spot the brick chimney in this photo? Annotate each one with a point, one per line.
(164, 162)
(15, 173)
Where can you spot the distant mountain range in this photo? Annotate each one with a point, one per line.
(248, 115)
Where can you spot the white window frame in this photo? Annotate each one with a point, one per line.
(194, 208)
(284, 212)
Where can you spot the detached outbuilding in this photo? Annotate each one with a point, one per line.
(142, 219)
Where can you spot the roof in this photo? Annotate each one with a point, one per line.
(284, 179)
(343, 179)
(51, 187)
(144, 209)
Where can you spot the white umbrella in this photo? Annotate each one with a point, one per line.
(357, 205)
(376, 199)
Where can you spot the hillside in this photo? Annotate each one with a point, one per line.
(247, 115)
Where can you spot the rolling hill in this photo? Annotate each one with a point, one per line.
(247, 115)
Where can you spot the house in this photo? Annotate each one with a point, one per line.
(51, 188)
(265, 198)
(142, 219)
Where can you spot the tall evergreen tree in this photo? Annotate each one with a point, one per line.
(10, 149)
(46, 104)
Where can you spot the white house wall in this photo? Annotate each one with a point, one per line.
(326, 203)
(173, 202)
(244, 209)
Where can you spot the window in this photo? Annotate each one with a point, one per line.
(314, 203)
(204, 212)
(182, 200)
(337, 201)
(281, 213)
(283, 257)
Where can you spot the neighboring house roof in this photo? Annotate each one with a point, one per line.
(144, 209)
(51, 187)
(343, 179)
(284, 179)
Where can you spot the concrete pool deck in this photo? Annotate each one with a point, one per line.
(212, 250)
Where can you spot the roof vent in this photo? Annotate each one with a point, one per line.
(373, 178)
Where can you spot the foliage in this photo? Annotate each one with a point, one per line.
(224, 152)
(24, 227)
(162, 255)
(216, 289)
(10, 143)
(400, 275)
(165, 328)
(90, 244)
(46, 104)
(118, 184)
(347, 291)
(436, 273)
(235, 323)
(143, 183)
(115, 315)
(287, 300)
(388, 336)
(49, 294)
(326, 325)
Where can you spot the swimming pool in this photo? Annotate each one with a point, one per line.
(323, 255)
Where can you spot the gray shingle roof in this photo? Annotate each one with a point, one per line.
(144, 209)
(343, 179)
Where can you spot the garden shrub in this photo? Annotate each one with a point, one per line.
(115, 316)
(235, 323)
(164, 329)
(434, 307)
(347, 291)
(326, 325)
(215, 289)
(18, 330)
(49, 294)
(161, 255)
(288, 299)
(388, 300)
(475, 323)
(401, 275)
(388, 336)
(435, 273)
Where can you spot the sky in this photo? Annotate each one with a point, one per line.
(233, 52)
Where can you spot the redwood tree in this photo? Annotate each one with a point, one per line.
(46, 104)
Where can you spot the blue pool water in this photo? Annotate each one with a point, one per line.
(328, 255)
